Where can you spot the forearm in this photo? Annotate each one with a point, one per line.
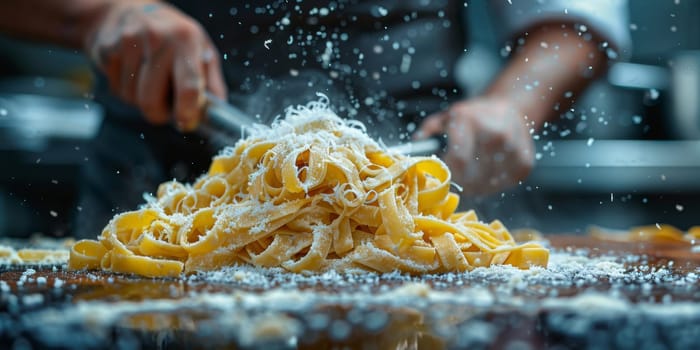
(62, 22)
(550, 69)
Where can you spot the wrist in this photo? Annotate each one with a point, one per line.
(533, 110)
(521, 108)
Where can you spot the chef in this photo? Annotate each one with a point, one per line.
(389, 63)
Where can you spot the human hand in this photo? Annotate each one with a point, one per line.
(158, 59)
(489, 144)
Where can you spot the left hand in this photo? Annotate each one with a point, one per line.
(490, 147)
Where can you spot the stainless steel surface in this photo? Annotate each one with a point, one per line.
(638, 76)
(30, 122)
(685, 100)
(681, 81)
(619, 165)
(44, 145)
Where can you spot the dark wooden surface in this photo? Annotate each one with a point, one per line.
(416, 327)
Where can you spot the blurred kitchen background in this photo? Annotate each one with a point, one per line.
(628, 154)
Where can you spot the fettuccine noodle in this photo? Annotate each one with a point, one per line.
(311, 193)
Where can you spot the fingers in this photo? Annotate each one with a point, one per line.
(189, 83)
(132, 56)
(154, 86)
(191, 80)
(105, 54)
(433, 125)
(215, 77)
(112, 70)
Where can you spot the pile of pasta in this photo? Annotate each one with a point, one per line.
(310, 193)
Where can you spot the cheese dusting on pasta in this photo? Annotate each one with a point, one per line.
(311, 193)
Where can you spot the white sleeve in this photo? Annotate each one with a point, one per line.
(608, 18)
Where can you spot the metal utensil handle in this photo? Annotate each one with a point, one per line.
(225, 117)
(435, 144)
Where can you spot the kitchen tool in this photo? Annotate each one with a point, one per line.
(226, 124)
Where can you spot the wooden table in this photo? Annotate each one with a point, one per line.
(98, 310)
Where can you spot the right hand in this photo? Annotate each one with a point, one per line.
(157, 59)
(490, 144)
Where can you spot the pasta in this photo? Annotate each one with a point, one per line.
(311, 193)
(658, 233)
(26, 256)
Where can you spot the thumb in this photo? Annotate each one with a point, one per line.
(433, 125)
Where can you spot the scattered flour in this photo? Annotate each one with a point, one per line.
(49, 256)
(565, 270)
(273, 306)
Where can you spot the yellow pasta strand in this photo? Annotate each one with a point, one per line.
(311, 193)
